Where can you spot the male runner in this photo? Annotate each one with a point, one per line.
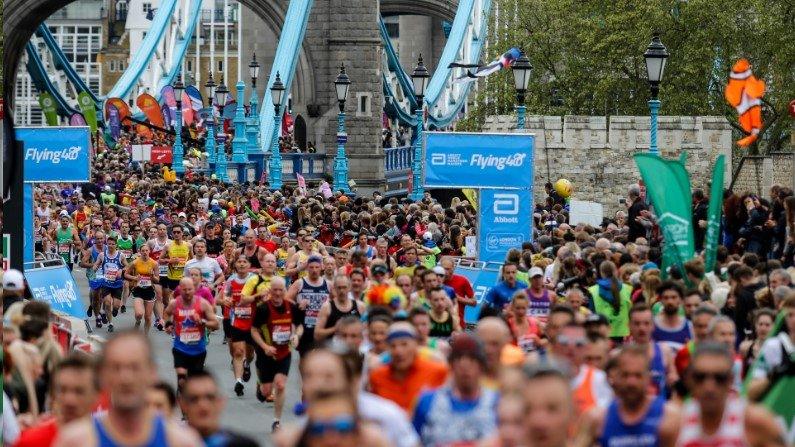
(212, 275)
(110, 264)
(277, 325)
(176, 255)
(127, 369)
(635, 418)
(670, 328)
(126, 245)
(240, 317)
(309, 293)
(661, 364)
(191, 316)
(65, 237)
(253, 252)
(89, 256)
(342, 305)
(712, 417)
(158, 245)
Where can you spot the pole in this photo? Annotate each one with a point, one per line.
(252, 130)
(220, 164)
(226, 39)
(417, 190)
(341, 161)
(196, 68)
(239, 143)
(209, 141)
(520, 114)
(179, 151)
(239, 22)
(654, 107)
(275, 171)
(212, 39)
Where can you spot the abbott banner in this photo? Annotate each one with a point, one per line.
(477, 160)
(505, 222)
(55, 154)
(55, 285)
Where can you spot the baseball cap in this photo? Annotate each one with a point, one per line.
(13, 280)
(181, 214)
(63, 213)
(535, 271)
(439, 270)
(379, 268)
(466, 345)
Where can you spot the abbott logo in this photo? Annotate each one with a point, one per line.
(506, 204)
(438, 159)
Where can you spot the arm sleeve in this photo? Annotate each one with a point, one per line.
(421, 411)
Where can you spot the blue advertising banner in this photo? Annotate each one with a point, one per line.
(482, 280)
(56, 154)
(477, 160)
(505, 222)
(28, 244)
(56, 286)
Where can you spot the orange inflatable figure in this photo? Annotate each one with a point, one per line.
(744, 92)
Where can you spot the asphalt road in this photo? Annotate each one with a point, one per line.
(244, 415)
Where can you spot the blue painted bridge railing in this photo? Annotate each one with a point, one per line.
(311, 166)
(398, 159)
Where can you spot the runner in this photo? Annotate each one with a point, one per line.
(444, 321)
(635, 418)
(240, 317)
(110, 264)
(126, 245)
(670, 328)
(143, 274)
(127, 370)
(342, 305)
(175, 255)
(212, 275)
(661, 361)
(253, 252)
(276, 327)
(298, 265)
(309, 293)
(158, 245)
(713, 417)
(187, 317)
(66, 239)
(91, 252)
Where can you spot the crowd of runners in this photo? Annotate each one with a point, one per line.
(583, 341)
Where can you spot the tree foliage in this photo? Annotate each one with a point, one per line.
(588, 57)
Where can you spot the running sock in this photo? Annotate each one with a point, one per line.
(239, 380)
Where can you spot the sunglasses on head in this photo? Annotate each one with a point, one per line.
(720, 378)
(341, 424)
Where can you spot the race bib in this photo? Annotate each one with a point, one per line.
(243, 312)
(281, 335)
(163, 270)
(311, 319)
(111, 274)
(190, 335)
(64, 248)
(126, 253)
(526, 344)
(144, 281)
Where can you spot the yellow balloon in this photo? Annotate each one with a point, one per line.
(563, 187)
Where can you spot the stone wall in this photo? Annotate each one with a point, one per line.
(758, 173)
(595, 152)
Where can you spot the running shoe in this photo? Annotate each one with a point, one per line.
(98, 323)
(260, 397)
(238, 389)
(104, 317)
(90, 311)
(275, 426)
(115, 312)
(159, 325)
(110, 327)
(246, 371)
(123, 309)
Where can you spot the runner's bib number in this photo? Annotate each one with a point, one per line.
(243, 312)
(111, 273)
(163, 270)
(64, 248)
(281, 335)
(144, 281)
(190, 335)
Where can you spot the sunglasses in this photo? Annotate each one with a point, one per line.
(342, 425)
(720, 378)
(566, 341)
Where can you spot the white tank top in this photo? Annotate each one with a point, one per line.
(730, 434)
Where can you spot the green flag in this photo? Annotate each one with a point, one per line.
(88, 109)
(47, 104)
(713, 215)
(668, 187)
(778, 398)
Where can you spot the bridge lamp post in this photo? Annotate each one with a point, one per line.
(209, 141)
(419, 80)
(521, 78)
(275, 171)
(252, 127)
(179, 150)
(221, 95)
(341, 84)
(655, 55)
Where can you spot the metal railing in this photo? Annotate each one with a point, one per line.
(310, 166)
(398, 158)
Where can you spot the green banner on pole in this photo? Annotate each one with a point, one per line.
(713, 215)
(88, 109)
(47, 104)
(668, 187)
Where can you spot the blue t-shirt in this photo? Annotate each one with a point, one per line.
(442, 419)
(502, 294)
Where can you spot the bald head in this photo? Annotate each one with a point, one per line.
(494, 334)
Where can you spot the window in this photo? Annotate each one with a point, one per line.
(82, 30)
(112, 66)
(221, 65)
(147, 7)
(189, 66)
(363, 104)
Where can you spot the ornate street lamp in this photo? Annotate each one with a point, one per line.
(277, 96)
(179, 151)
(221, 95)
(521, 78)
(252, 126)
(209, 141)
(419, 80)
(656, 55)
(341, 86)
